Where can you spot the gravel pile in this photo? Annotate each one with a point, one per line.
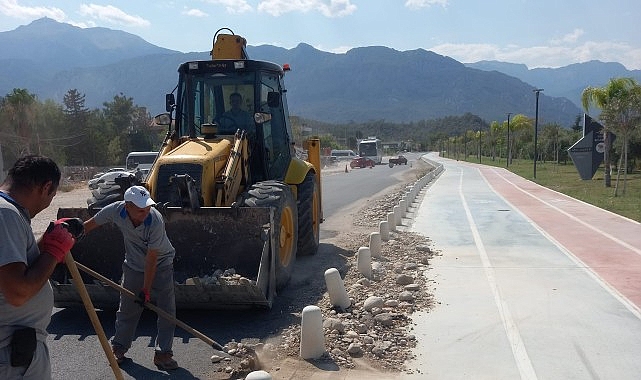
(377, 325)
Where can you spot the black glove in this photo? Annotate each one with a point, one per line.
(143, 297)
(75, 226)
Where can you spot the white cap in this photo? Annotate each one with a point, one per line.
(139, 196)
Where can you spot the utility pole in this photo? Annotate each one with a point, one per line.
(507, 164)
(536, 125)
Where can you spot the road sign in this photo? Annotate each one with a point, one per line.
(587, 153)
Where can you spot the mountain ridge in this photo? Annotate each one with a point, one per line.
(365, 83)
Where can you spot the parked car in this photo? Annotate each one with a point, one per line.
(107, 179)
(342, 155)
(362, 162)
(99, 174)
(397, 160)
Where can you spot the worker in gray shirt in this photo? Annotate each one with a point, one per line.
(147, 271)
(26, 297)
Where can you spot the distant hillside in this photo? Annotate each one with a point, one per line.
(55, 46)
(568, 81)
(369, 83)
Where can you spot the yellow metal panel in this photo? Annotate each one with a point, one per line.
(228, 46)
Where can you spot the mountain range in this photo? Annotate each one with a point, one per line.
(369, 83)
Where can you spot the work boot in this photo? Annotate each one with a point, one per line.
(119, 353)
(164, 361)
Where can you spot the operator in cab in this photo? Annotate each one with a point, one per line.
(237, 118)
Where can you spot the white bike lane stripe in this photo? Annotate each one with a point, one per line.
(521, 357)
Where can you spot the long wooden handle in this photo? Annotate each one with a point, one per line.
(215, 345)
(86, 300)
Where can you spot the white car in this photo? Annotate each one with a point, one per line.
(108, 178)
(97, 175)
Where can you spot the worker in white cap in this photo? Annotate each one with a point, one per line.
(147, 271)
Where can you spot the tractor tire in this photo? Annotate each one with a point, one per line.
(109, 192)
(278, 195)
(308, 216)
(93, 203)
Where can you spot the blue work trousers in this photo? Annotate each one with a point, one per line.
(162, 295)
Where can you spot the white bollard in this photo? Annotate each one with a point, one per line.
(312, 341)
(258, 375)
(403, 206)
(365, 262)
(336, 289)
(397, 216)
(383, 227)
(375, 244)
(391, 221)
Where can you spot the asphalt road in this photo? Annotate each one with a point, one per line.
(531, 284)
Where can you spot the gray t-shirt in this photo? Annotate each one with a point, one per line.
(17, 244)
(138, 240)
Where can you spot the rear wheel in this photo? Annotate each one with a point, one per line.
(279, 196)
(308, 216)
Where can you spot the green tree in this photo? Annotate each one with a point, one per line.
(80, 147)
(17, 130)
(520, 125)
(620, 103)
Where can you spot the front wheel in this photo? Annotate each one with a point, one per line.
(308, 216)
(279, 196)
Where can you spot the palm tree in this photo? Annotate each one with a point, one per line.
(620, 103)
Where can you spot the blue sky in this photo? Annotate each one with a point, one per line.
(538, 33)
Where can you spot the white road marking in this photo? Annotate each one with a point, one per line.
(523, 362)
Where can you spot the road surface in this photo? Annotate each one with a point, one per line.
(531, 284)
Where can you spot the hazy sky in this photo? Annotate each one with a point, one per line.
(538, 33)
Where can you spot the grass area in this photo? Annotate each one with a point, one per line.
(565, 179)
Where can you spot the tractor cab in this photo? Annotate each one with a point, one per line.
(217, 98)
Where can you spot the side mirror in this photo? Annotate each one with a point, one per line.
(170, 102)
(162, 119)
(261, 117)
(273, 99)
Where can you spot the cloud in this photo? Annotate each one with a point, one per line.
(333, 8)
(545, 56)
(112, 14)
(11, 8)
(418, 4)
(233, 6)
(194, 13)
(82, 24)
(569, 38)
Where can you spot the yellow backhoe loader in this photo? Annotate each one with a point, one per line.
(238, 203)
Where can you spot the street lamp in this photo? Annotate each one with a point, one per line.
(479, 144)
(536, 125)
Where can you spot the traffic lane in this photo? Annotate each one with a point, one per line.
(340, 189)
(76, 350)
(608, 243)
(558, 321)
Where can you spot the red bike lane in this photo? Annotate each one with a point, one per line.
(608, 244)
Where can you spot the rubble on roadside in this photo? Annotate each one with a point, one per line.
(377, 326)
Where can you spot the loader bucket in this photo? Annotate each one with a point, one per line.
(224, 259)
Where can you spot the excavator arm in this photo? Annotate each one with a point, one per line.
(236, 174)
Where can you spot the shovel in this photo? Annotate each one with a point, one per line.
(212, 343)
(80, 286)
